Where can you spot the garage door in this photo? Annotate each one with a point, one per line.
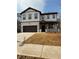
(29, 28)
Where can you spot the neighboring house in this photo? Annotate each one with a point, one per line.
(33, 20)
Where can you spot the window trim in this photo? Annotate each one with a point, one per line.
(43, 17)
(48, 16)
(24, 16)
(36, 16)
(53, 16)
(29, 16)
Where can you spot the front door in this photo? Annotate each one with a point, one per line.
(43, 28)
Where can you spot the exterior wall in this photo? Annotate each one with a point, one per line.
(31, 12)
(30, 24)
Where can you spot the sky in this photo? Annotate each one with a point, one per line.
(41, 5)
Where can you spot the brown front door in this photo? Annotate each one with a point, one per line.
(43, 28)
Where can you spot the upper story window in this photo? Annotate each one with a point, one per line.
(36, 15)
(24, 17)
(47, 16)
(42, 17)
(29, 16)
(53, 15)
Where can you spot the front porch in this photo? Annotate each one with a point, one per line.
(49, 26)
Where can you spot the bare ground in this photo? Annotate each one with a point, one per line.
(44, 39)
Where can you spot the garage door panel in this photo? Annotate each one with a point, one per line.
(29, 28)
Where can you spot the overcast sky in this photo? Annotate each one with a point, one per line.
(42, 5)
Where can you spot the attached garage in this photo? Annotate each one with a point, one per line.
(29, 28)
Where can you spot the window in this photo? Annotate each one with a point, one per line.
(29, 16)
(53, 15)
(47, 16)
(42, 17)
(24, 17)
(36, 15)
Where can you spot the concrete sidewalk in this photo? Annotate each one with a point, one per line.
(51, 52)
(41, 51)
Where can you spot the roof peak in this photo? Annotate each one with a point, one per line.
(30, 8)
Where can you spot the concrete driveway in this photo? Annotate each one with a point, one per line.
(21, 36)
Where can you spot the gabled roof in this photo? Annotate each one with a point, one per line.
(38, 11)
(28, 9)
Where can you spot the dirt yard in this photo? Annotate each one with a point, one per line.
(44, 39)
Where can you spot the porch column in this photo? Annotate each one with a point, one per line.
(21, 27)
(55, 27)
(47, 28)
(38, 28)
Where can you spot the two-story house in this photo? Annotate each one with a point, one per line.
(33, 20)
